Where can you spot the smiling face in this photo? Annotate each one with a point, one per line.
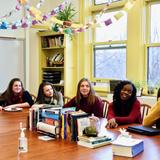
(84, 88)
(126, 92)
(17, 87)
(48, 91)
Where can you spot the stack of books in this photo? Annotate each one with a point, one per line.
(128, 147)
(50, 121)
(46, 120)
(65, 127)
(93, 142)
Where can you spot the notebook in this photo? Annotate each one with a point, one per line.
(52, 106)
(150, 131)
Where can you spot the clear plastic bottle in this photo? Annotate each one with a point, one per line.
(95, 122)
(23, 142)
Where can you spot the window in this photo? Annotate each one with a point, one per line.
(155, 23)
(110, 61)
(109, 49)
(153, 50)
(96, 2)
(154, 66)
(111, 32)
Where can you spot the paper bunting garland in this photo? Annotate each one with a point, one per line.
(76, 28)
(35, 16)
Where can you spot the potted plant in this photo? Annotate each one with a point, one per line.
(67, 14)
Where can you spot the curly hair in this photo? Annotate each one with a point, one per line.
(117, 102)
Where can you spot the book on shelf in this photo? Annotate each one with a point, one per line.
(52, 41)
(44, 42)
(128, 147)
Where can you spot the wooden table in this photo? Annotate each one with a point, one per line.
(61, 149)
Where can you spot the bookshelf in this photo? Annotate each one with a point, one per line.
(55, 57)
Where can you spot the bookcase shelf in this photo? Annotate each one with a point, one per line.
(58, 85)
(52, 68)
(61, 47)
(55, 56)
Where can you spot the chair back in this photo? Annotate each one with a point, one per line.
(33, 97)
(144, 110)
(105, 107)
(66, 99)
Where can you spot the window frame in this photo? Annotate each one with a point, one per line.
(105, 2)
(148, 34)
(116, 6)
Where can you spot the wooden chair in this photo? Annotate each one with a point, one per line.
(33, 97)
(144, 110)
(66, 99)
(105, 107)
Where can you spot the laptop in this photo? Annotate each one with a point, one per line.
(150, 131)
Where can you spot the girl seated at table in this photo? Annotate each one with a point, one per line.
(15, 95)
(125, 108)
(153, 116)
(48, 95)
(86, 100)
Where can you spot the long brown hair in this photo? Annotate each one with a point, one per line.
(41, 97)
(8, 95)
(91, 96)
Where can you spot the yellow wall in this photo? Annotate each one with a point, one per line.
(82, 47)
(135, 43)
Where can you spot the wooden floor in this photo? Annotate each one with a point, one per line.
(60, 149)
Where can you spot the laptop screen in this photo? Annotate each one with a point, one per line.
(144, 130)
(113, 84)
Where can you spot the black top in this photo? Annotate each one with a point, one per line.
(26, 98)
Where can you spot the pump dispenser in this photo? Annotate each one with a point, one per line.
(23, 144)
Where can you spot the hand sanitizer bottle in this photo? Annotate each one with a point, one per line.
(23, 143)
